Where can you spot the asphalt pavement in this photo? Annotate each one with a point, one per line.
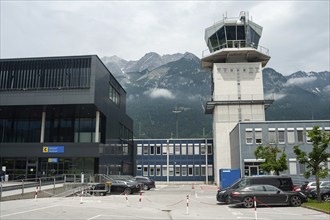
(165, 202)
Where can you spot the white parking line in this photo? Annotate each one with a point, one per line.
(32, 210)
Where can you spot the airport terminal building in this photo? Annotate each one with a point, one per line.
(62, 115)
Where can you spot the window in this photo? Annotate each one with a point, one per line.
(170, 148)
(125, 149)
(249, 136)
(270, 188)
(203, 170)
(139, 167)
(308, 139)
(164, 149)
(300, 136)
(171, 170)
(209, 149)
(190, 170)
(157, 170)
(302, 168)
(203, 150)
(209, 170)
(290, 134)
(257, 188)
(177, 170)
(293, 166)
(164, 170)
(196, 146)
(258, 135)
(152, 149)
(145, 170)
(271, 136)
(145, 149)
(281, 137)
(190, 149)
(197, 170)
(158, 149)
(183, 149)
(184, 170)
(177, 149)
(139, 149)
(152, 170)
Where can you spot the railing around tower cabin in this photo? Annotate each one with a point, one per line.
(236, 44)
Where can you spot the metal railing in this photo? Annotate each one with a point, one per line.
(236, 44)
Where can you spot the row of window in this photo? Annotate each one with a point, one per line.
(175, 170)
(177, 149)
(45, 74)
(114, 149)
(279, 135)
(294, 164)
(114, 95)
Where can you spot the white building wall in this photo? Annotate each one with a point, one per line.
(234, 82)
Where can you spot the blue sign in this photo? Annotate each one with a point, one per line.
(52, 160)
(53, 149)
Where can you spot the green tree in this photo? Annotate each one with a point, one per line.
(273, 161)
(316, 158)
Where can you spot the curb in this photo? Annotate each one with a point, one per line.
(319, 210)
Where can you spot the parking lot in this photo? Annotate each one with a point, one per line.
(164, 202)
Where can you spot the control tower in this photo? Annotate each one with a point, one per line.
(236, 61)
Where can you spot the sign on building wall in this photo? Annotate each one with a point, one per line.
(53, 149)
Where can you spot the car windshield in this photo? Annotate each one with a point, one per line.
(238, 184)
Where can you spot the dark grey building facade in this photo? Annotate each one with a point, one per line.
(62, 115)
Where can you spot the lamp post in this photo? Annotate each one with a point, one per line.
(176, 111)
(206, 162)
(167, 163)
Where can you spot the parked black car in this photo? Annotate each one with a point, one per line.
(147, 183)
(98, 189)
(282, 182)
(127, 187)
(324, 191)
(266, 195)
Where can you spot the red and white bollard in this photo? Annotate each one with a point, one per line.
(127, 204)
(255, 208)
(140, 199)
(36, 193)
(187, 205)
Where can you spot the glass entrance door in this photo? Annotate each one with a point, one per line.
(253, 170)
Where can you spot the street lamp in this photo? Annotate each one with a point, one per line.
(176, 111)
(167, 163)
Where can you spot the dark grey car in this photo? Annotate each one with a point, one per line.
(265, 195)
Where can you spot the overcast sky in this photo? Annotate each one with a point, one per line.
(295, 32)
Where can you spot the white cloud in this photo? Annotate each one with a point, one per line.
(300, 81)
(159, 93)
(296, 32)
(327, 88)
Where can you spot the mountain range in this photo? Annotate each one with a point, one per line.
(166, 94)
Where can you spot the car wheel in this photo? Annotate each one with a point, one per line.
(145, 187)
(295, 201)
(326, 197)
(248, 202)
(127, 191)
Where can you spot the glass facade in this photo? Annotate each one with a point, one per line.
(29, 168)
(65, 123)
(233, 36)
(45, 74)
